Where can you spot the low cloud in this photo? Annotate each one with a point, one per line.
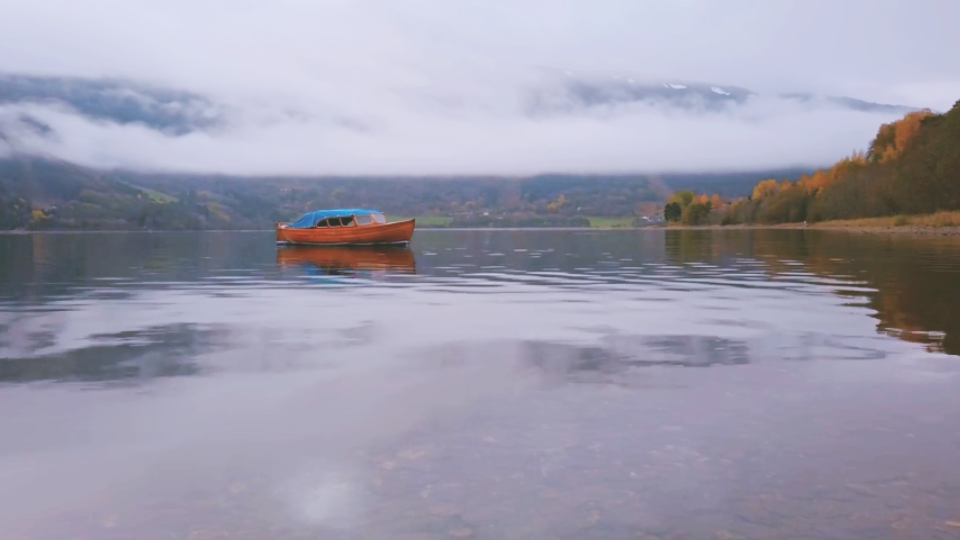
(428, 135)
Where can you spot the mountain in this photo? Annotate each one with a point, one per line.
(41, 192)
(45, 194)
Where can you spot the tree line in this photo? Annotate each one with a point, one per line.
(40, 194)
(912, 166)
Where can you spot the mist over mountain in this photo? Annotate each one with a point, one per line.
(170, 111)
(606, 90)
(43, 120)
(176, 112)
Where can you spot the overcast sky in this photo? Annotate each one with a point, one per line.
(437, 86)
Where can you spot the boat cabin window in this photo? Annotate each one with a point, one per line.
(378, 217)
(332, 222)
(336, 222)
(364, 219)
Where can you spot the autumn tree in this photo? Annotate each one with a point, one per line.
(555, 206)
(892, 138)
(683, 198)
(765, 189)
(695, 213)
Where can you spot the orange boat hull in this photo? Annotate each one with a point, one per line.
(398, 232)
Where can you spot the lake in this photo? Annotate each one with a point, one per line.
(513, 384)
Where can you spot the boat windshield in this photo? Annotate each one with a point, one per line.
(379, 218)
(364, 219)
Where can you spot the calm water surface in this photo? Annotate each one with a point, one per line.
(481, 384)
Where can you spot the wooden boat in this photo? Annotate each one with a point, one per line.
(340, 259)
(345, 226)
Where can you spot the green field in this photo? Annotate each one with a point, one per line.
(155, 196)
(424, 221)
(610, 222)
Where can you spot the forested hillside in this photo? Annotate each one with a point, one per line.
(911, 167)
(39, 194)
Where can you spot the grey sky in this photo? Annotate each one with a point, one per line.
(432, 86)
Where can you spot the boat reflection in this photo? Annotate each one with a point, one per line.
(349, 260)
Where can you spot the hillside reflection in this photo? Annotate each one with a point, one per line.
(913, 283)
(101, 307)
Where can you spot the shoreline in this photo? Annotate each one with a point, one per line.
(853, 227)
(873, 229)
(923, 231)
